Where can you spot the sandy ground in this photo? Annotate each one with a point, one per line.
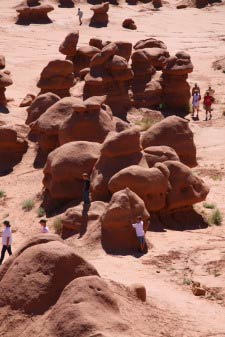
(176, 257)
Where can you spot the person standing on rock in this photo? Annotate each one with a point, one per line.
(6, 240)
(196, 104)
(139, 228)
(207, 103)
(86, 189)
(80, 15)
(44, 226)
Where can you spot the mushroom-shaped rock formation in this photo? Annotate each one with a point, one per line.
(57, 77)
(69, 46)
(159, 154)
(39, 105)
(150, 184)
(39, 274)
(201, 3)
(66, 3)
(186, 189)
(33, 11)
(147, 92)
(100, 16)
(2, 62)
(12, 148)
(71, 119)
(149, 43)
(118, 151)
(157, 3)
(83, 58)
(121, 212)
(124, 48)
(129, 24)
(5, 81)
(65, 166)
(110, 75)
(173, 131)
(176, 90)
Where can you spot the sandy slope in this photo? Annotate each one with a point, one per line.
(175, 256)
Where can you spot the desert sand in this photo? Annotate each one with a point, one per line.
(175, 256)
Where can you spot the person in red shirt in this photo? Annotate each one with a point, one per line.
(208, 101)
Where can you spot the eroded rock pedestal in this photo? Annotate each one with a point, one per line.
(33, 11)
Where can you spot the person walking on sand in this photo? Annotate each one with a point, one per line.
(207, 103)
(196, 104)
(80, 15)
(6, 240)
(139, 228)
(86, 189)
(44, 226)
(195, 89)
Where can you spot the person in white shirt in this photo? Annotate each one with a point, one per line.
(44, 226)
(6, 240)
(80, 15)
(139, 228)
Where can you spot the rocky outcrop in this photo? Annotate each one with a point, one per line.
(57, 77)
(117, 231)
(100, 16)
(71, 119)
(33, 11)
(110, 75)
(28, 99)
(149, 43)
(173, 131)
(159, 154)
(12, 148)
(69, 45)
(65, 166)
(176, 90)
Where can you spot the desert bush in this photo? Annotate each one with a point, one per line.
(146, 123)
(28, 205)
(187, 281)
(216, 217)
(208, 205)
(2, 194)
(40, 212)
(57, 223)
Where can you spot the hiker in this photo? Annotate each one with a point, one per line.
(138, 226)
(80, 15)
(195, 89)
(195, 104)
(44, 226)
(6, 240)
(207, 103)
(211, 91)
(86, 190)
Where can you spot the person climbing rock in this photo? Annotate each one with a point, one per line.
(86, 190)
(195, 89)
(207, 103)
(44, 226)
(196, 104)
(139, 228)
(80, 15)
(6, 240)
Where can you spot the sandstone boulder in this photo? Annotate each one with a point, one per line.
(69, 45)
(81, 60)
(12, 148)
(39, 274)
(150, 43)
(33, 11)
(65, 166)
(150, 184)
(5, 81)
(57, 77)
(122, 211)
(173, 131)
(66, 3)
(2, 62)
(28, 99)
(129, 24)
(157, 4)
(159, 154)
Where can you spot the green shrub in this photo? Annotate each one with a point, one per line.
(28, 205)
(57, 223)
(40, 212)
(146, 123)
(187, 281)
(2, 194)
(207, 205)
(216, 217)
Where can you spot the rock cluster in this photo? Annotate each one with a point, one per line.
(33, 11)
(100, 16)
(5, 81)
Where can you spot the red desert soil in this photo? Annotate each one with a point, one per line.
(175, 257)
